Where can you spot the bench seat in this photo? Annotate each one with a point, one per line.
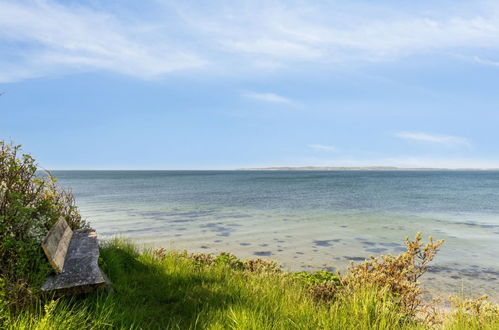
(79, 270)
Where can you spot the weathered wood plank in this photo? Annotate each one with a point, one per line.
(56, 244)
(81, 270)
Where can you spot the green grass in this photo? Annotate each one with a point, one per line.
(179, 293)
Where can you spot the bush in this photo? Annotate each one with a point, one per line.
(322, 285)
(399, 274)
(30, 204)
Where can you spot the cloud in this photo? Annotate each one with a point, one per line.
(335, 32)
(321, 147)
(45, 37)
(447, 140)
(268, 97)
(483, 61)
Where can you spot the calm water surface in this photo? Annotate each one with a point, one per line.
(305, 220)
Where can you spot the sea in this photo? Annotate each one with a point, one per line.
(306, 220)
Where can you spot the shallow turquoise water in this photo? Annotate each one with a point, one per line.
(305, 220)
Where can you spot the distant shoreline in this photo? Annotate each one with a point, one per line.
(285, 168)
(367, 168)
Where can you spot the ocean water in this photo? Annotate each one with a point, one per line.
(305, 220)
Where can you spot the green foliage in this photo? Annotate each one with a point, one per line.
(319, 277)
(30, 204)
(322, 285)
(171, 290)
(228, 260)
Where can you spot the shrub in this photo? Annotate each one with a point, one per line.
(226, 259)
(400, 274)
(30, 204)
(263, 266)
(322, 285)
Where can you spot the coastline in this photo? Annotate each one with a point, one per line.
(367, 168)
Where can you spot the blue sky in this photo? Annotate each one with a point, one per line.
(102, 84)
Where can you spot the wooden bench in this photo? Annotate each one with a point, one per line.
(74, 255)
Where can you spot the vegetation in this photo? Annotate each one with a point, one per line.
(30, 204)
(158, 289)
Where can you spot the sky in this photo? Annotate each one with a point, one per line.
(159, 84)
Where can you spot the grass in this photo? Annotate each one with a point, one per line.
(171, 290)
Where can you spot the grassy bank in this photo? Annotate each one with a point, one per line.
(159, 289)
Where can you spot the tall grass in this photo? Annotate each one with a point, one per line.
(173, 290)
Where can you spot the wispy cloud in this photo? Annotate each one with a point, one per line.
(268, 97)
(322, 147)
(47, 37)
(447, 140)
(339, 32)
(484, 61)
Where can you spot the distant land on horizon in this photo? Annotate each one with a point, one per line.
(299, 168)
(365, 168)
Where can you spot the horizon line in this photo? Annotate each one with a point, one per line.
(293, 168)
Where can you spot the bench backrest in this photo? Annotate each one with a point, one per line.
(56, 243)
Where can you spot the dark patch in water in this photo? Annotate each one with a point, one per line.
(322, 243)
(155, 215)
(108, 210)
(344, 226)
(182, 228)
(218, 241)
(212, 224)
(299, 252)
(330, 269)
(472, 224)
(178, 235)
(233, 216)
(245, 244)
(376, 250)
(218, 228)
(204, 247)
(159, 215)
(263, 253)
(368, 243)
(455, 277)
(390, 244)
(263, 245)
(361, 239)
(280, 250)
(473, 272)
(354, 258)
(181, 221)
